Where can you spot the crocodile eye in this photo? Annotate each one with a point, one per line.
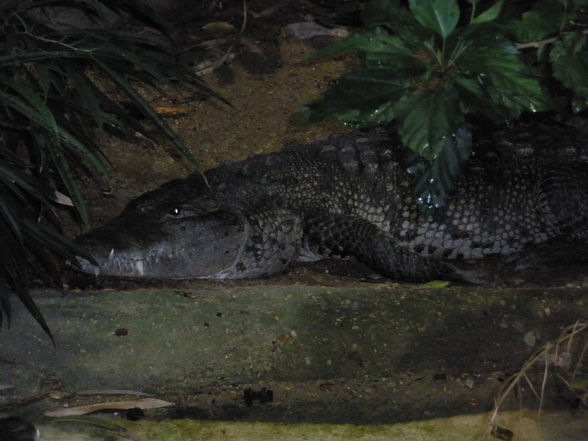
(175, 211)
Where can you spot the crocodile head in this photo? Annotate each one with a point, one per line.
(176, 231)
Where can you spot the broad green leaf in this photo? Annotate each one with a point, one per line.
(434, 181)
(489, 14)
(475, 99)
(361, 98)
(569, 61)
(395, 17)
(376, 42)
(427, 118)
(506, 79)
(542, 21)
(383, 13)
(517, 93)
(440, 16)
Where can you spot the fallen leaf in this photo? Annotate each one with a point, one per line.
(434, 284)
(171, 110)
(146, 403)
(113, 392)
(62, 199)
(218, 26)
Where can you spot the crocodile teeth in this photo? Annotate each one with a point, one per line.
(139, 267)
(111, 254)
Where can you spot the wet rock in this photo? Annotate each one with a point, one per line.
(530, 339)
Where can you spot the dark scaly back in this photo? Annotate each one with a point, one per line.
(518, 190)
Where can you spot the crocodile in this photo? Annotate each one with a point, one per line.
(351, 195)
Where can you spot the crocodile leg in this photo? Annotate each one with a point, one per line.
(346, 236)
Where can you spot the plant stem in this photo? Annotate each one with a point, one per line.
(442, 61)
(564, 17)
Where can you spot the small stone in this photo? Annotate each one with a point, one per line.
(529, 338)
(518, 326)
(57, 395)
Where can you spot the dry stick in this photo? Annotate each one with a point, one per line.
(540, 43)
(579, 361)
(569, 333)
(526, 377)
(244, 23)
(544, 382)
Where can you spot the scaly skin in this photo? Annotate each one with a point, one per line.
(350, 195)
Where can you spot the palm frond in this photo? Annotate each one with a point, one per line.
(50, 109)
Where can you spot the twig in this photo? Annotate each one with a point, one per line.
(544, 382)
(514, 381)
(244, 23)
(579, 361)
(540, 43)
(526, 377)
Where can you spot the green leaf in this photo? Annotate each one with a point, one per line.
(427, 118)
(434, 181)
(396, 18)
(15, 179)
(67, 178)
(505, 79)
(376, 43)
(12, 267)
(475, 99)
(489, 14)
(440, 16)
(361, 98)
(42, 112)
(383, 13)
(89, 99)
(542, 21)
(569, 61)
